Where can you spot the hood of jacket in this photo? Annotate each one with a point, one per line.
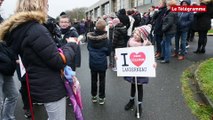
(122, 11)
(97, 37)
(17, 19)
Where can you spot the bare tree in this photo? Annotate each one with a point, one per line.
(76, 13)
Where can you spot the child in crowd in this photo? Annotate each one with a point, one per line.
(99, 49)
(66, 29)
(70, 35)
(139, 38)
(119, 38)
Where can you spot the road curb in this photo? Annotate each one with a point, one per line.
(199, 84)
(210, 34)
(194, 97)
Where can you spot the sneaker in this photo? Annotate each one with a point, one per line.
(160, 58)
(70, 104)
(27, 114)
(164, 61)
(129, 105)
(101, 101)
(94, 99)
(39, 104)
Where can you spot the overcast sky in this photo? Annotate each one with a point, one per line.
(55, 6)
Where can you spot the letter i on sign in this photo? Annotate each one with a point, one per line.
(124, 56)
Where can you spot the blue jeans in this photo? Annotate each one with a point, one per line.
(183, 36)
(8, 97)
(166, 47)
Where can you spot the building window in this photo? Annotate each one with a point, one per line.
(140, 2)
(122, 3)
(114, 6)
(106, 6)
(133, 3)
(147, 1)
(103, 10)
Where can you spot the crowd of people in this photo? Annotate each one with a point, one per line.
(37, 37)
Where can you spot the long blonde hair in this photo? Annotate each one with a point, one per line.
(32, 5)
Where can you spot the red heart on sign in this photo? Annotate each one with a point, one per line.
(137, 59)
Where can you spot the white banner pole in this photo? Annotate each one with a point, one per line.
(136, 92)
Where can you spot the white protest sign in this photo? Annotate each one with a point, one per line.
(136, 61)
(21, 66)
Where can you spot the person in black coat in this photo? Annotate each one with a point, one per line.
(169, 28)
(76, 25)
(8, 90)
(137, 16)
(122, 16)
(25, 34)
(120, 38)
(203, 24)
(70, 35)
(157, 26)
(99, 49)
(119, 35)
(89, 26)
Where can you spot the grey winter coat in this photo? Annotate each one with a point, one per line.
(169, 23)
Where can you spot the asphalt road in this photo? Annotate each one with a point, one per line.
(163, 99)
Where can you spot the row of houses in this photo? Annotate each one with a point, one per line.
(110, 7)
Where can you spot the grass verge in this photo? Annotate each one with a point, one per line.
(210, 31)
(198, 108)
(205, 77)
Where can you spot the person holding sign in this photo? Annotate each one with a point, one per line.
(140, 38)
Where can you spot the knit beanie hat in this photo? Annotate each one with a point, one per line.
(115, 21)
(144, 31)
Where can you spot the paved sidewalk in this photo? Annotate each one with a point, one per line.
(163, 98)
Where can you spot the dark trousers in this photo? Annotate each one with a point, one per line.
(23, 89)
(190, 36)
(202, 40)
(24, 95)
(158, 39)
(140, 91)
(95, 76)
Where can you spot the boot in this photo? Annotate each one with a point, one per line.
(140, 110)
(202, 51)
(129, 105)
(181, 57)
(198, 48)
(197, 51)
(157, 55)
(175, 54)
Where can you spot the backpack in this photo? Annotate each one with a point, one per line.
(7, 60)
